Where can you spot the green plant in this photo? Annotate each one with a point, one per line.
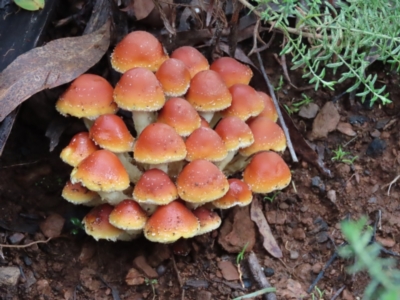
(350, 35)
(77, 226)
(342, 156)
(272, 198)
(317, 294)
(280, 84)
(384, 277)
(296, 106)
(240, 255)
(151, 282)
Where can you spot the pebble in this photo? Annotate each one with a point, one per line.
(294, 254)
(141, 263)
(268, 272)
(316, 182)
(346, 129)
(52, 226)
(247, 283)
(16, 238)
(375, 133)
(228, 270)
(275, 217)
(376, 148)
(161, 269)
(309, 111)
(321, 237)
(9, 275)
(358, 119)
(299, 234)
(197, 283)
(331, 196)
(204, 295)
(27, 260)
(283, 206)
(316, 268)
(325, 122)
(372, 200)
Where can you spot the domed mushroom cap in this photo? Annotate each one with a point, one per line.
(180, 115)
(246, 102)
(159, 143)
(266, 173)
(201, 181)
(80, 147)
(155, 187)
(208, 92)
(101, 171)
(239, 193)
(208, 220)
(205, 143)
(97, 225)
(88, 96)
(235, 133)
(128, 215)
(139, 90)
(269, 110)
(192, 58)
(111, 133)
(232, 71)
(78, 194)
(171, 222)
(267, 136)
(138, 49)
(174, 77)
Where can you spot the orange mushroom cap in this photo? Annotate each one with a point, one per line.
(269, 110)
(267, 172)
(239, 193)
(180, 115)
(128, 215)
(208, 220)
(192, 58)
(174, 77)
(205, 143)
(88, 96)
(159, 143)
(171, 222)
(155, 187)
(111, 133)
(204, 123)
(232, 71)
(138, 49)
(208, 92)
(201, 181)
(78, 194)
(139, 90)
(101, 171)
(246, 102)
(235, 133)
(80, 147)
(97, 225)
(267, 136)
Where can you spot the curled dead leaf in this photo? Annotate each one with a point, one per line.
(58, 62)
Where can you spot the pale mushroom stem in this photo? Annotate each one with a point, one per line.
(133, 171)
(163, 167)
(149, 208)
(215, 119)
(238, 163)
(88, 123)
(223, 163)
(141, 119)
(207, 115)
(113, 198)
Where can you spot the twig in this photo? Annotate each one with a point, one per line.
(25, 246)
(259, 276)
(391, 183)
(321, 274)
(178, 276)
(337, 294)
(282, 122)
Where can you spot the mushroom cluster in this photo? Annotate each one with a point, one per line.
(196, 124)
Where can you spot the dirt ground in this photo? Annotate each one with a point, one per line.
(304, 218)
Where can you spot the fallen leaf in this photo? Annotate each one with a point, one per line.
(58, 62)
(258, 217)
(293, 290)
(31, 5)
(141, 8)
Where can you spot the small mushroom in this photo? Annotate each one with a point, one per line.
(192, 58)
(232, 71)
(174, 77)
(78, 194)
(80, 147)
(239, 193)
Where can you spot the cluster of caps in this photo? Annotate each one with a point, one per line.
(196, 124)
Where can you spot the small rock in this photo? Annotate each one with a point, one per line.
(360, 120)
(331, 196)
(381, 123)
(372, 200)
(283, 206)
(27, 260)
(9, 275)
(43, 287)
(275, 217)
(304, 272)
(134, 277)
(376, 148)
(317, 268)
(197, 283)
(87, 252)
(386, 242)
(309, 111)
(299, 234)
(346, 129)
(268, 272)
(141, 263)
(294, 254)
(52, 226)
(325, 122)
(16, 238)
(228, 270)
(161, 269)
(204, 295)
(88, 278)
(346, 295)
(375, 133)
(316, 182)
(321, 237)
(247, 282)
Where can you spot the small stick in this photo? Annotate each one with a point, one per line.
(321, 274)
(391, 183)
(179, 277)
(337, 294)
(25, 246)
(259, 276)
(271, 91)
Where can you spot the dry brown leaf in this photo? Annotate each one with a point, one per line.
(258, 217)
(142, 8)
(58, 62)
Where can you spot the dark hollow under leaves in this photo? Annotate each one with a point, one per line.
(58, 62)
